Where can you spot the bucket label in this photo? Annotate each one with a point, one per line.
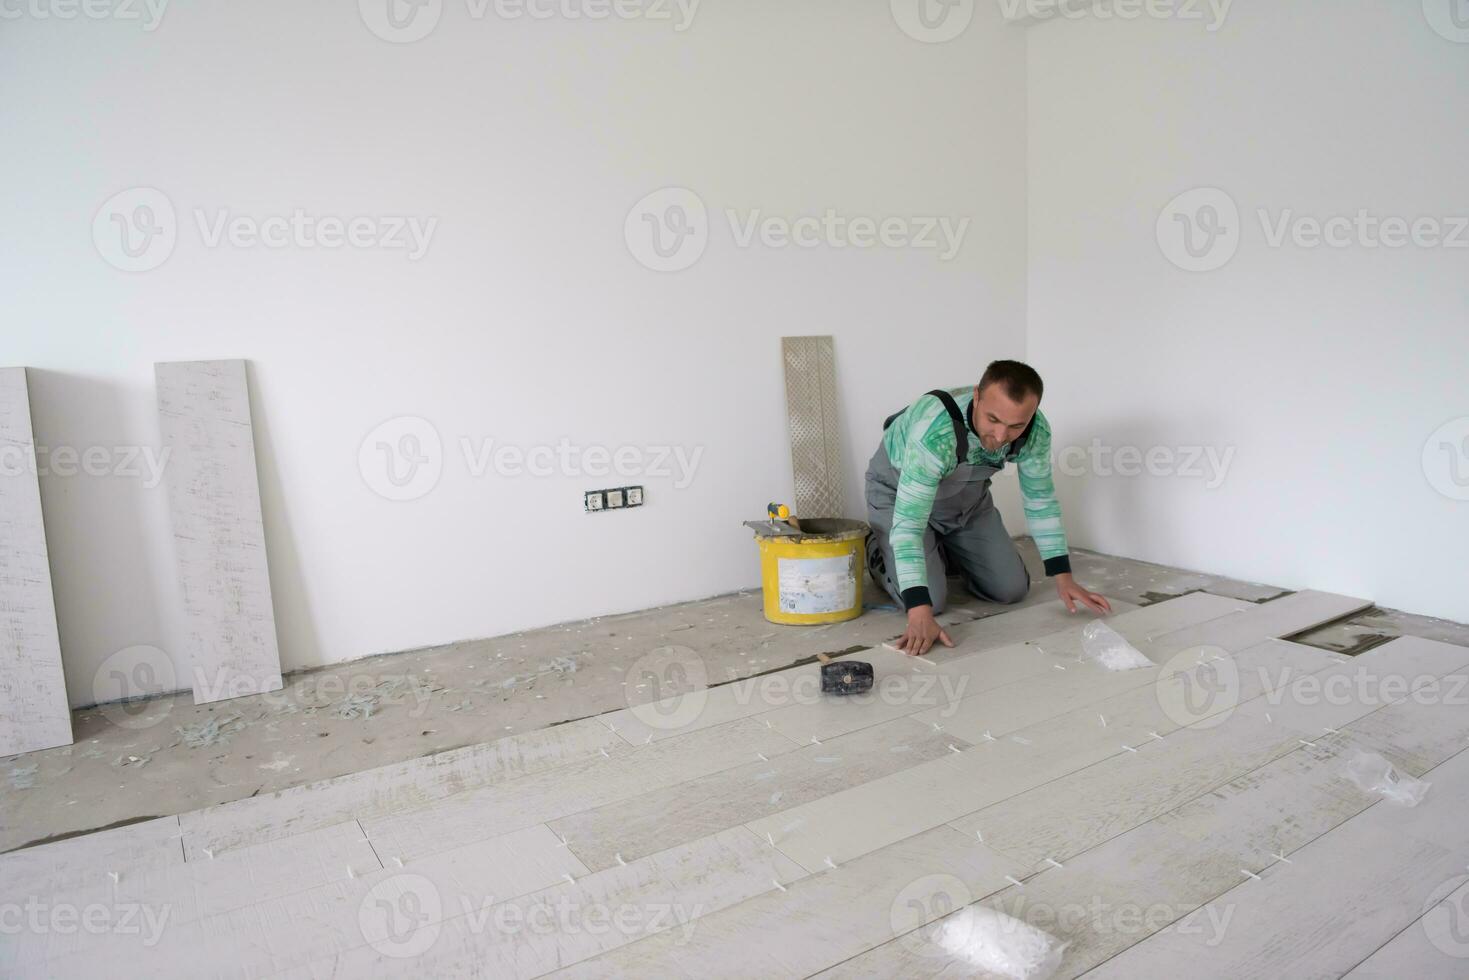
(817, 585)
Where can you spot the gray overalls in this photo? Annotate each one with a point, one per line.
(964, 531)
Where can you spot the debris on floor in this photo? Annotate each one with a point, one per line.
(1374, 774)
(1103, 645)
(999, 945)
(24, 777)
(210, 732)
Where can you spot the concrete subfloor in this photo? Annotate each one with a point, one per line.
(166, 755)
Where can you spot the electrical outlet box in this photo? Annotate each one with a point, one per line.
(613, 498)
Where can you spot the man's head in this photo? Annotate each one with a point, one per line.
(1005, 401)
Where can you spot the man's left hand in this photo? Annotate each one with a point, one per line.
(1071, 594)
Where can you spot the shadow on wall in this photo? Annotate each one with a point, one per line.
(294, 628)
(110, 541)
(106, 519)
(1103, 509)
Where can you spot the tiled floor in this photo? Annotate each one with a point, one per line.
(685, 802)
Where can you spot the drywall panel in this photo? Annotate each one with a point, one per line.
(33, 707)
(218, 533)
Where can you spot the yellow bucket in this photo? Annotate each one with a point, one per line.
(814, 577)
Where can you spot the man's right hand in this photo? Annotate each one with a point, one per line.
(922, 631)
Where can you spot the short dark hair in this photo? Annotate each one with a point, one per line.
(1019, 380)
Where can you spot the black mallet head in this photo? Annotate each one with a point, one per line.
(846, 677)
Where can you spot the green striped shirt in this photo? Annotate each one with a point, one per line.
(921, 446)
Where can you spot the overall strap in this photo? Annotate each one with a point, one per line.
(961, 429)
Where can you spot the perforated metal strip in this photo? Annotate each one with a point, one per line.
(811, 405)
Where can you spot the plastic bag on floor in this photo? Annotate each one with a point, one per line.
(1374, 774)
(1104, 645)
(995, 943)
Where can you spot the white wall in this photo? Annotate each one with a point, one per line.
(1325, 369)
(527, 321)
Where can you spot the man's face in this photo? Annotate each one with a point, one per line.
(998, 418)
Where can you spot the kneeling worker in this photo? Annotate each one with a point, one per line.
(928, 500)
